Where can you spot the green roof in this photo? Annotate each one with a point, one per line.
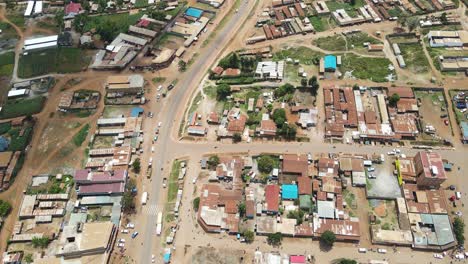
(305, 201)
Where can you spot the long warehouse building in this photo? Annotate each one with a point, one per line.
(40, 43)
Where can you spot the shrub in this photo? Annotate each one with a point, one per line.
(265, 164)
(328, 238)
(196, 204)
(80, 137)
(459, 230)
(275, 239)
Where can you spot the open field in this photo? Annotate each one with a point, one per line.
(415, 58)
(7, 61)
(120, 22)
(303, 54)
(375, 69)
(344, 43)
(60, 60)
(22, 107)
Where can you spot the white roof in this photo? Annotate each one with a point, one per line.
(41, 45)
(38, 7)
(13, 93)
(29, 9)
(40, 40)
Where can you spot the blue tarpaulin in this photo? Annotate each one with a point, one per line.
(330, 62)
(289, 192)
(136, 111)
(167, 257)
(194, 12)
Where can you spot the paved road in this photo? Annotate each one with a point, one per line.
(175, 106)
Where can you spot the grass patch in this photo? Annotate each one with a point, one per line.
(196, 102)
(158, 80)
(332, 43)
(80, 137)
(374, 69)
(173, 181)
(7, 61)
(210, 91)
(358, 39)
(17, 19)
(121, 22)
(22, 107)
(60, 60)
(350, 9)
(395, 12)
(304, 55)
(319, 23)
(415, 58)
(19, 143)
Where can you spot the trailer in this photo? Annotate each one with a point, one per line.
(159, 224)
(144, 198)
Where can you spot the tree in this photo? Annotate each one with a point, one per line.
(241, 209)
(353, 2)
(28, 258)
(161, 5)
(265, 164)
(249, 236)
(275, 239)
(196, 204)
(393, 99)
(328, 238)
(128, 202)
(288, 131)
(236, 138)
(230, 61)
(402, 20)
(443, 18)
(298, 215)
(213, 161)
(136, 165)
(182, 66)
(223, 91)
(284, 89)
(459, 230)
(413, 23)
(157, 14)
(279, 116)
(41, 242)
(345, 261)
(304, 82)
(5, 208)
(314, 85)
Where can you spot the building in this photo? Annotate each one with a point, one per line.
(164, 59)
(293, 164)
(218, 209)
(130, 84)
(289, 192)
(448, 38)
(272, 193)
(270, 70)
(344, 230)
(40, 43)
(308, 119)
(330, 63)
(267, 128)
(464, 131)
(429, 168)
(72, 9)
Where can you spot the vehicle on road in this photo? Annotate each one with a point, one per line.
(362, 250)
(458, 195)
(121, 245)
(452, 187)
(152, 149)
(170, 86)
(160, 88)
(159, 124)
(391, 153)
(122, 240)
(131, 225)
(135, 234)
(155, 138)
(124, 231)
(144, 198)
(150, 162)
(438, 256)
(164, 182)
(371, 169)
(382, 250)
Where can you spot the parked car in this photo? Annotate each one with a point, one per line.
(446, 122)
(362, 250)
(391, 153)
(122, 240)
(135, 234)
(382, 250)
(438, 256)
(159, 124)
(124, 231)
(170, 86)
(131, 225)
(121, 245)
(452, 187)
(164, 182)
(371, 169)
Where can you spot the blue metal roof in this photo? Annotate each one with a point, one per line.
(464, 129)
(289, 191)
(194, 12)
(136, 111)
(330, 62)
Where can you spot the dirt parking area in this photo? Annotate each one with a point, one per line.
(205, 255)
(433, 112)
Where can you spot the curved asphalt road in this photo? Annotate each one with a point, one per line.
(176, 105)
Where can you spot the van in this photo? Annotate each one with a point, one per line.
(382, 250)
(362, 250)
(458, 195)
(152, 148)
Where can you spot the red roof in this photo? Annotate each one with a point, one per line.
(237, 125)
(305, 185)
(297, 259)
(231, 72)
(72, 8)
(268, 127)
(143, 23)
(296, 164)
(218, 70)
(110, 188)
(272, 192)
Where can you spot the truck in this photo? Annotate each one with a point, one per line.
(159, 224)
(144, 198)
(149, 171)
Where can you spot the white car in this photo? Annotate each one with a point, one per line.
(131, 225)
(438, 256)
(121, 245)
(160, 87)
(371, 169)
(159, 124)
(382, 250)
(124, 231)
(391, 153)
(122, 240)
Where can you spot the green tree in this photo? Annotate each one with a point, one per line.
(284, 90)
(279, 116)
(236, 138)
(402, 20)
(314, 85)
(249, 236)
(182, 66)
(28, 258)
(275, 239)
(413, 23)
(393, 99)
(161, 5)
(288, 131)
(5, 208)
(40, 242)
(223, 91)
(304, 82)
(128, 202)
(136, 165)
(196, 204)
(265, 164)
(213, 161)
(443, 18)
(157, 14)
(345, 261)
(353, 2)
(298, 215)
(241, 209)
(328, 238)
(230, 61)
(459, 230)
